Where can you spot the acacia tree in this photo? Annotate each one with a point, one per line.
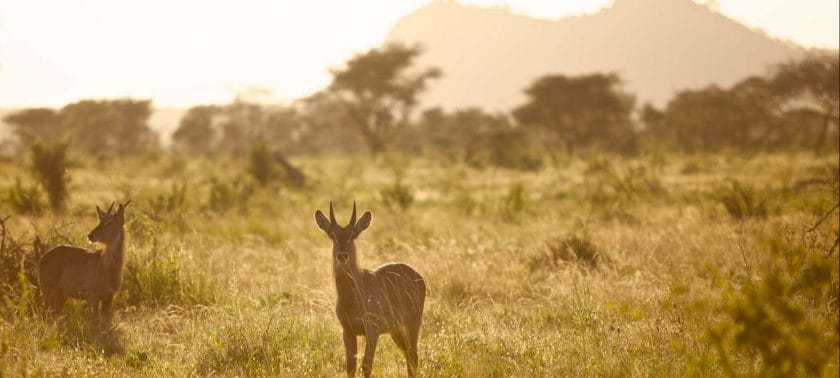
(234, 128)
(379, 90)
(460, 133)
(794, 106)
(109, 127)
(812, 85)
(702, 119)
(196, 132)
(583, 110)
(96, 127)
(33, 125)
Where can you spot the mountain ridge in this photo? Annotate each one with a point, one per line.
(489, 55)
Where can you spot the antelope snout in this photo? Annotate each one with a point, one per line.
(90, 236)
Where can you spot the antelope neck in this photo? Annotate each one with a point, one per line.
(346, 279)
(114, 251)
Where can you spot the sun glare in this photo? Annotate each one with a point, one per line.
(187, 52)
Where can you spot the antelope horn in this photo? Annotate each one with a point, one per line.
(332, 214)
(353, 217)
(110, 208)
(125, 204)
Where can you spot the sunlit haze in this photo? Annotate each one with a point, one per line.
(188, 52)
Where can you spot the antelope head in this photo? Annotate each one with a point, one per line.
(343, 238)
(110, 223)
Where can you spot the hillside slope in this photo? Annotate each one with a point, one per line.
(658, 46)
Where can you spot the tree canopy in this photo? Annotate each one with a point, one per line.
(811, 85)
(379, 90)
(235, 128)
(97, 127)
(795, 106)
(583, 110)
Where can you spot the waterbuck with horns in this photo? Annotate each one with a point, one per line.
(373, 302)
(68, 271)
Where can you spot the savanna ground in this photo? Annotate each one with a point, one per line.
(667, 265)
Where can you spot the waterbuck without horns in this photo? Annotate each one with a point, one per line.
(373, 302)
(68, 271)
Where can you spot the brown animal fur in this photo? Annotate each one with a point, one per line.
(389, 299)
(95, 276)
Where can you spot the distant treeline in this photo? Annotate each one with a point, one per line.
(372, 104)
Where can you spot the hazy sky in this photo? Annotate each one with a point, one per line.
(182, 53)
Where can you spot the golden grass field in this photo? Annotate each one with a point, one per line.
(606, 266)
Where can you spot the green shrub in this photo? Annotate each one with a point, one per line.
(24, 199)
(612, 194)
(464, 202)
(458, 290)
(261, 164)
(156, 276)
(598, 164)
(608, 185)
(18, 285)
(398, 194)
(576, 249)
(515, 201)
(510, 149)
(785, 313)
(155, 271)
(226, 195)
(170, 201)
(49, 166)
(743, 201)
(269, 345)
(691, 167)
(638, 181)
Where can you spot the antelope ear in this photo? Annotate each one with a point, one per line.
(101, 214)
(362, 224)
(120, 214)
(323, 223)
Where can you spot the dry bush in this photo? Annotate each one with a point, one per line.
(784, 314)
(261, 164)
(397, 194)
(49, 166)
(24, 199)
(156, 273)
(225, 195)
(576, 249)
(742, 201)
(18, 276)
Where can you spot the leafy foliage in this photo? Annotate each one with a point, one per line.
(584, 110)
(24, 199)
(95, 127)
(786, 314)
(398, 194)
(197, 132)
(812, 86)
(49, 165)
(18, 274)
(156, 276)
(575, 249)
(378, 92)
(743, 201)
(794, 107)
(236, 127)
(35, 125)
(515, 201)
(225, 195)
(261, 164)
